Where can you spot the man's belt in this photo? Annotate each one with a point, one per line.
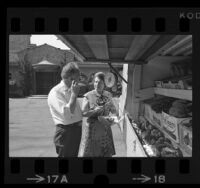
(79, 123)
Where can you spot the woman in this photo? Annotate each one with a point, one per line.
(97, 139)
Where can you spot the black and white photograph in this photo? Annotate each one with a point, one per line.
(100, 96)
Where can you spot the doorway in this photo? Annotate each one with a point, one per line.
(44, 82)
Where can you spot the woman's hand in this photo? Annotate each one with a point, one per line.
(109, 105)
(98, 109)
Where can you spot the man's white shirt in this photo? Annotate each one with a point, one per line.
(58, 99)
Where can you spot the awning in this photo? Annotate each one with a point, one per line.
(45, 65)
(136, 49)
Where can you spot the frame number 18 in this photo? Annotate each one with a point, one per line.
(159, 178)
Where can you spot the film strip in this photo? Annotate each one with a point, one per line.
(110, 21)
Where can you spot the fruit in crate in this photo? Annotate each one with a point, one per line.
(180, 109)
(160, 140)
(155, 151)
(186, 139)
(168, 152)
(179, 153)
(187, 123)
(171, 152)
(188, 84)
(178, 112)
(153, 132)
(162, 144)
(167, 141)
(160, 134)
(148, 137)
(181, 104)
(149, 126)
(149, 150)
(142, 125)
(152, 141)
(143, 134)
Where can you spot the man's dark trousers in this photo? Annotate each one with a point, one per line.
(67, 139)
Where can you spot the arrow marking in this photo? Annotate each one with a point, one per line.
(37, 179)
(143, 178)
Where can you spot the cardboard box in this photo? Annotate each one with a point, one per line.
(177, 84)
(182, 83)
(166, 84)
(158, 84)
(157, 118)
(187, 82)
(171, 126)
(148, 112)
(186, 137)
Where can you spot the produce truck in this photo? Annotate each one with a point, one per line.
(154, 108)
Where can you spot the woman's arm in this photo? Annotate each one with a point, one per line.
(110, 105)
(91, 112)
(86, 111)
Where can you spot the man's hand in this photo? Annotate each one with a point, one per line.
(75, 88)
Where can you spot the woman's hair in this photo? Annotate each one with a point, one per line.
(100, 75)
(69, 69)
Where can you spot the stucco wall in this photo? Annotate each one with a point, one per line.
(18, 42)
(14, 70)
(54, 55)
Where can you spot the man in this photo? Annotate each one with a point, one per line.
(66, 112)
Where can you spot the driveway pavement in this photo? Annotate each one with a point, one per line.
(31, 130)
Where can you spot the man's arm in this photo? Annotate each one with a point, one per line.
(60, 105)
(72, 102)
(74, 93)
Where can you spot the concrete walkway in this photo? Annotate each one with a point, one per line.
(31, 130)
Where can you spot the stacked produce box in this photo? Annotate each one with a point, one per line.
(181, 77)
(184, 82)
(170, 116)
(185, 131)
(154, 141)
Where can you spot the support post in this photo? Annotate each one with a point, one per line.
(132, 100)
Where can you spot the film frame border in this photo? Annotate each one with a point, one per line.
(43, 21)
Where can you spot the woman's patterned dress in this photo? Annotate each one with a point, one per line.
(97, 138)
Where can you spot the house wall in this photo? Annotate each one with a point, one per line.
(14, 70)
(54, 55)
(19, 42)
(34, 55)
